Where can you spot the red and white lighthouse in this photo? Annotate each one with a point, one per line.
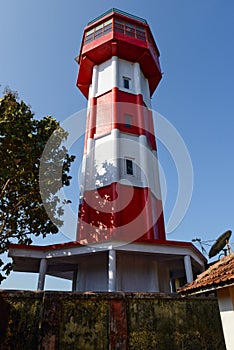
(119, 71)
(120, 240)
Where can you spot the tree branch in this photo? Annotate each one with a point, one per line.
(4, 188)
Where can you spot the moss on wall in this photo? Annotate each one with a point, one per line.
(84, 324)
(174, 324)
(108, 321)
(20, 316)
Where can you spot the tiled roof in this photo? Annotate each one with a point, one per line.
(216, 276)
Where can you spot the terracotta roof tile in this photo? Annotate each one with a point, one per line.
(217, 275)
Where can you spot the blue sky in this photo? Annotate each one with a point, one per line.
(39, 41)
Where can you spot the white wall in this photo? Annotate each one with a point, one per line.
(92, 273)
(113, 149)
(226, 307)
(136, 273)
(105, 81)
(110, 74)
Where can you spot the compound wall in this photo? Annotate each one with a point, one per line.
(108, 321)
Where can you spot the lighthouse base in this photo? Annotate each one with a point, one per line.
(121, 271)
(114, 266)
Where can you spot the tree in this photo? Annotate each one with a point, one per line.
(22, 141)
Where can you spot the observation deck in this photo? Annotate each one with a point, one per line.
(117, 33)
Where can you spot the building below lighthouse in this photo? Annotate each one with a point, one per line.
(120, 243)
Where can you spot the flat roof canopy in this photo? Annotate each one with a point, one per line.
(62, 259)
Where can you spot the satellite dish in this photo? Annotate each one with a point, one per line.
(220, 243)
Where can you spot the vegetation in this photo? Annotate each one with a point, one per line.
(22, 141)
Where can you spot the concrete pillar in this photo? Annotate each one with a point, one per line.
(188, 268)
(137, 78)
(90, 165)
(74, 280)
(112, 271)
(94, 86)
(115, 84)
(115, 73)
(155, 279)
(143, 147)
(81, 277)
(115, 154)
(42, 274)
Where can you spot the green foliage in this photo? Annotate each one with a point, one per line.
(22, 141)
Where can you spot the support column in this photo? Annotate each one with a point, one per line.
(94, 86)
(155, 279)
(42, 274)
(115, 177)
(188, 268)
(90, 165)
(115, 73)
(115, 141)
(145, 178)
(112, 271)
(74, 280)
(115, 83)
(137, 78)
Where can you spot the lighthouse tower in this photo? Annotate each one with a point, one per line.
(119, 71)
(120, 240)
(120, 211)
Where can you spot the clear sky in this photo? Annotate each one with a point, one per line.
(40, 39)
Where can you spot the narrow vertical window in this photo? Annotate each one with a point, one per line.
(128, 120)
(129, 166)
(126, 82)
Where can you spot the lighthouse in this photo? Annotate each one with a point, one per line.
(120, 241)
(119, 71)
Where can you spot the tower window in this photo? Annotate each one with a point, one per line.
(129, 166)
(98, 31)
(119, 26)
(126, 82)
(128, 120)
(140, 33)
(130, 29)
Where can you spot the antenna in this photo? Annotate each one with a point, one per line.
(220, 243)
(201, 245)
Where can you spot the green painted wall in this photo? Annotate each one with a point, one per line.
(108, 321)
